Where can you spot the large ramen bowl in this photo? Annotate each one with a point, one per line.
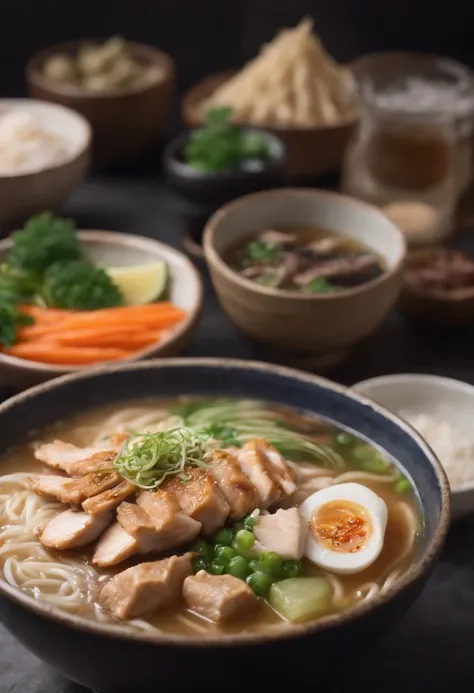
(113, 659)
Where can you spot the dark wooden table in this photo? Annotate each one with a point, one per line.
(432, 648)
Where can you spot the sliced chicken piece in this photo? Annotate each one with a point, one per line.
(136, 522)
(280, 471)
(70, 530)
(200, 498)
(143, 590)
(256, 466)
(173, 527)
(218, 597)
(239, 493)
(326, 245)
(114, 547)
(109, 500)
(97, 462)
(274, 237)
(48, 485)
(60, 455)
(285, 533)
(76, 491)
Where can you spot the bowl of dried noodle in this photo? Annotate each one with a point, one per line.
(294, 89)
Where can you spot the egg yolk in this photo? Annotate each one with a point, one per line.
(341, 525)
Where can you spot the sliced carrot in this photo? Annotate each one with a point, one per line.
(46, 315)
(120, 339)
(47, 352)
(146, 318)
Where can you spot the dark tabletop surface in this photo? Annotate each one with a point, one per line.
(432, 649)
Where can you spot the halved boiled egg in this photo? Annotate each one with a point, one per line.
(346, 524)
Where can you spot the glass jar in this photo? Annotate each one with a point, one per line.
(412, 151)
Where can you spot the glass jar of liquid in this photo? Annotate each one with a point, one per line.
(412, 151)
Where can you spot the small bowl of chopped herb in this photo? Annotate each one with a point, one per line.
(220, 161)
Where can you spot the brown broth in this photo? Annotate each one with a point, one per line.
(284, 266)
(77, 430)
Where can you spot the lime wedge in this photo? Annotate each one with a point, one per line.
(142, 283)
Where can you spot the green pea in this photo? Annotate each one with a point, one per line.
(291, 569)
(243, 542)
(224, 553)
(238, 567)
(271, 561)
(255, 565)
(224, 537)
(260, 582)
(217, 568)
(203, 549)
(199, 564)
(402, 485)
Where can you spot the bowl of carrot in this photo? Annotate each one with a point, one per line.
(73, 299)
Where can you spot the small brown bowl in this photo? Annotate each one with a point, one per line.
(125, 122)
(435, 309)
(115, 249)
(311, 151)
(304, 324)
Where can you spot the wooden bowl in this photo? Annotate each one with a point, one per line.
(25, 194)
(115, 249)
(305, 324)
(311, 150)
(125, 122)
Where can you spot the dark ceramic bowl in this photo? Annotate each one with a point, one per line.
(107, 660)
(213, 189)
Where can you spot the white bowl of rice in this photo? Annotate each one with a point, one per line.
(44, 156)
(441, 410)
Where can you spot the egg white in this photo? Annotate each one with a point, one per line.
(345, 562)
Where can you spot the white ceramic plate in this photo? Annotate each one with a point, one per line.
(453, 400)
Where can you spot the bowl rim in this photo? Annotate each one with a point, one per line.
(215, 259)
(326, 623)
(24, 104)
(189, 105)
(411, 378)
(130, 240)
(154, 55)
(275, 163)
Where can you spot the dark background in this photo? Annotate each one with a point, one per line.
(208, 35)
(432, 648)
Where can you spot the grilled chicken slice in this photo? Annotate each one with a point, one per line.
(48, 485)
(97, 462)
(218, 597)
(256, 466)
(136, 522)
(109, 500)
(173, 527)
(76, 491)
(114, 546)
(285, 533)
(279, 470)
(64, 456)
(239, 493)
(200, 498)
(143, 590)
(70, 530)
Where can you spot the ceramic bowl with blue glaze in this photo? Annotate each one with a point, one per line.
(107, 659)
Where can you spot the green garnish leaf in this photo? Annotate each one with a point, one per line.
(11, 319)
(319, 286)
(44, 240)
(267, 279)
(402, 485)
(220, 145)
(79, 285)
(261, 252)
